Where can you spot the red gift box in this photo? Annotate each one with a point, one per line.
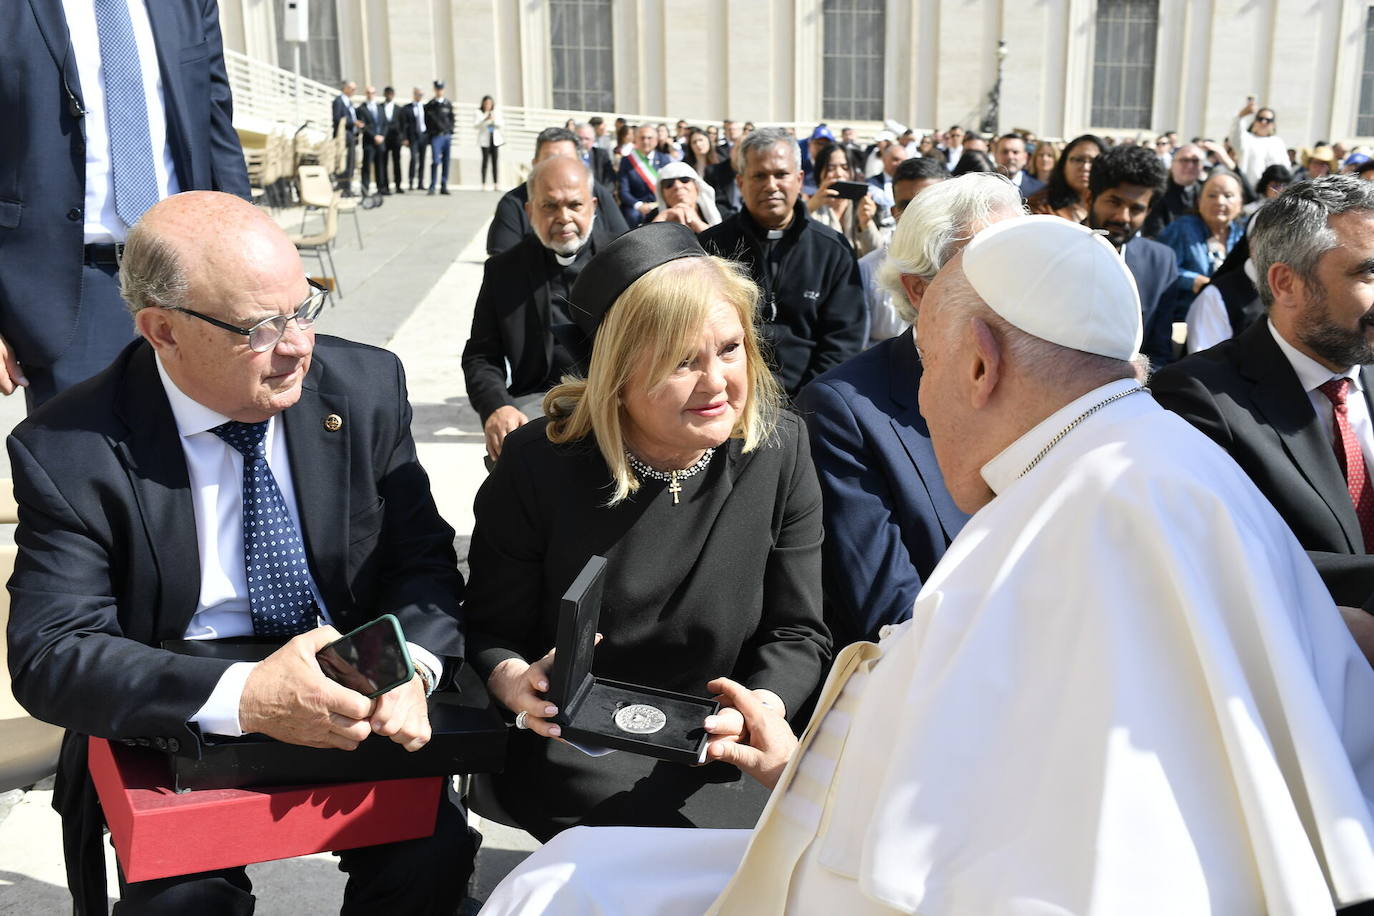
(159, 833)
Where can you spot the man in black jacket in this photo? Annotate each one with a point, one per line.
(511, 224)
(1180, 193)
(145, 499)
(391, 131)
(439, 121)
(1289, 398)
(812, 303)
(521, 319)
(344, 112)
(415, 135)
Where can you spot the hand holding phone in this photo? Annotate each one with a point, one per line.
(371, 660)
(850, 190)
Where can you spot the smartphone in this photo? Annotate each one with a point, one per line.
(371, 660)
(850, 190)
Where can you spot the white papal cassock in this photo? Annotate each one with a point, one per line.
(1124, 690)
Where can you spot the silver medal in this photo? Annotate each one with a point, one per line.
(640, 719)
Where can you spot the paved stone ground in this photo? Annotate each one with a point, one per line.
(411, 288)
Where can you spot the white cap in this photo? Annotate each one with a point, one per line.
(1059, 281)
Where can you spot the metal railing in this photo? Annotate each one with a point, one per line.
(265, 96)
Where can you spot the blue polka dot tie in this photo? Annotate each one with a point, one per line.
(126, 112)
(273, 555)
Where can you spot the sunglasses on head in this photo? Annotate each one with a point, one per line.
(669, 182)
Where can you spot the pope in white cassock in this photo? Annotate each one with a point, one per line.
(1124, 690)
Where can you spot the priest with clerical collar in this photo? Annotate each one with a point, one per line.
(1124, 690)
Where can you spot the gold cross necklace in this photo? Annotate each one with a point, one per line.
(674, 477)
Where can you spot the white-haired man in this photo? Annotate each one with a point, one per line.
(1123, 691)
(888, 516)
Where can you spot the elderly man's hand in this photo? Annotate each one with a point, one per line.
(287, 697)
(748, 732)
(499, 425)
(402, 715)
(11, 374)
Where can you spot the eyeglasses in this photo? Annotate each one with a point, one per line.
(1193, 159)
(669, 182)
(1263, 120)
(264, 335)
(1082, 160)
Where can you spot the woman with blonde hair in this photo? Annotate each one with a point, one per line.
(673, 459)
(1043, 161)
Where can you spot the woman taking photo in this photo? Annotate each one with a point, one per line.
(487, 123)
(1066, 192)
(674, 460)
(853, 219)
(1203, 239)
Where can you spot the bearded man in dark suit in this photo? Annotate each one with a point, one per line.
(143, 497)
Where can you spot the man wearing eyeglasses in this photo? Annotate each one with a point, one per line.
(1180, 192)
(229, 476)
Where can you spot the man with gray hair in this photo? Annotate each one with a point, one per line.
(812, 306)
(1289, 398)
(523, 339)
(888, 516)
(1124, 691)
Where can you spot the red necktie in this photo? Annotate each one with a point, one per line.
(1351, 459)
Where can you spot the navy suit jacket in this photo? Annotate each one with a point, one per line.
(1155, 268)
(633, 189)
(888, 517)
(43, 154)
(1029, 184)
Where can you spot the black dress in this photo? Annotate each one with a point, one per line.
(728, 582)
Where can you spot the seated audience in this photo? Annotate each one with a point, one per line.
(1318, 163)
(683, 197)
(1123, 185)
(699, 152)
(892, 154)
(888, 516)
(593, 156)
(889, 315)
(1043, 160)
(1066, 193)
(1202, 240)
(812, 306)
(638, 174)
(856, 220)
(674, 460)
(1180, 191)
(512, 223)
(141, 494)
(1012, 157)
(523, 339)
(1272, 182)
(1122, 691)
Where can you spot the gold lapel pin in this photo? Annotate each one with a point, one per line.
(333, 423)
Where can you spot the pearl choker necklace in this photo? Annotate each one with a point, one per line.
(673, 477)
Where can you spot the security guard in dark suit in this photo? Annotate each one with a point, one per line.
(439, 120)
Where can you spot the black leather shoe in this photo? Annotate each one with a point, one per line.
(432, 192)
(443, 191)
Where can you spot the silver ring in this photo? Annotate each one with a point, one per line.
(520, 719)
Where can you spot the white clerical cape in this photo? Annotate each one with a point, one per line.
(1124, 690)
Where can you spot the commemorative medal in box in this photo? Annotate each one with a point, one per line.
(627, 717)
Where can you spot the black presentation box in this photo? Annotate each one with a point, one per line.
(595, 711)
(469, 736)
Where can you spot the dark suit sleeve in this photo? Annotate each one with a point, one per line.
(419, 578)
(507, 229)
(869, 578)
(70, 660)
(484, 355)
(608, 211)
(840, 322)
(228, 171)
(1158, 343)
(507, 558)
(792, 644)
(1347, 576)
(627, 196)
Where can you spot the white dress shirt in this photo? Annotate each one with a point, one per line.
(1208, 323)
(103, 224)
(215, 472)
(1311, 375)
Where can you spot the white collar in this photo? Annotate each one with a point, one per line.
(775, 234)
(1004, 470)
(1312, 374)
(565, 260)
(191, 416)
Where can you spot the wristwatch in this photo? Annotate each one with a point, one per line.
(427, 677)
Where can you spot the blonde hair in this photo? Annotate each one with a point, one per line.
(654, 325)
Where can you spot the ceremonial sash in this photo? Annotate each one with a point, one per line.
(647, 173)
